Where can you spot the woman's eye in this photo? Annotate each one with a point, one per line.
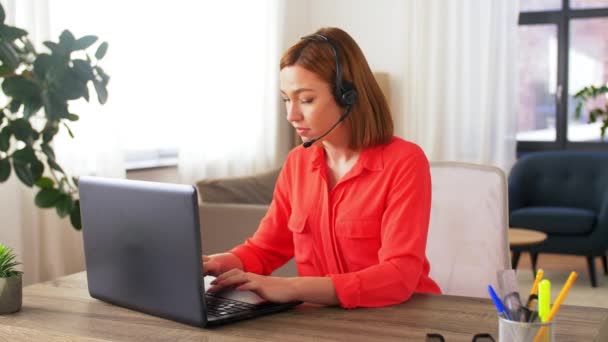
(306, 101)
(285, 99)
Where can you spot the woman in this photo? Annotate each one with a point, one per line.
(354, 207)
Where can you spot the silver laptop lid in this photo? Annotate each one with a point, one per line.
(142, 246)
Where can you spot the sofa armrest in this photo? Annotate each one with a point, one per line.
(226, 225)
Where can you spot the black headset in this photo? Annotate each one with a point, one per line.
(345, 92)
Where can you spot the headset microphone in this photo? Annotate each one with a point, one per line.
(344, 92)
(342, 117)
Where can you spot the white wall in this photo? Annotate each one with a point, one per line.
(377, 26)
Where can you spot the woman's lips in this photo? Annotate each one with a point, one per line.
(302, 131)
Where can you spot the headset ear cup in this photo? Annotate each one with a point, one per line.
(347, 95)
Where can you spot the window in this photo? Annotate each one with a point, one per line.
(176, 64)
(563, 48)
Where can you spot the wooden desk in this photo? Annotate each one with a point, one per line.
(62, 310)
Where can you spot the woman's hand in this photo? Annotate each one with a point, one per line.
(274, 289)
(217, 264)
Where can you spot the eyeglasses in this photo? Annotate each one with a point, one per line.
(477, 338)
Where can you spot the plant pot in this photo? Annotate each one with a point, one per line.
(10, 294)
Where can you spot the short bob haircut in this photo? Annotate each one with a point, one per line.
(370, 121)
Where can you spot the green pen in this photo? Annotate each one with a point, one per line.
(544, 299)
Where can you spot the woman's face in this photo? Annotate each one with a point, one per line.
(311, 107)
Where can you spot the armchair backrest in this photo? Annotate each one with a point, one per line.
(468, 241)
(559, 179)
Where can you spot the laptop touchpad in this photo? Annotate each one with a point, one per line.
(243, 296)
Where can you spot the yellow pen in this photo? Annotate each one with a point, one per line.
(544, 299)
(539, 277)
(562, 295)
(534, 290)
(558, 302)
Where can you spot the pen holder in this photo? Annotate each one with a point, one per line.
(512, 331)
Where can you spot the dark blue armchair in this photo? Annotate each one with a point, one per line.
(565, 195)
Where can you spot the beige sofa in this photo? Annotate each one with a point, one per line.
(230, 210)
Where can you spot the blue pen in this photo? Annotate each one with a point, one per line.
(498, 303)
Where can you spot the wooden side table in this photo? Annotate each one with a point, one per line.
(519, 237)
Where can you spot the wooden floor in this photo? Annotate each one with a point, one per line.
(556, 262)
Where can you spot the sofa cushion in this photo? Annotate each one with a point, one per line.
(554, 220)
(256, 189)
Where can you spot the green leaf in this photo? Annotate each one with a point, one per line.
(25, 155)
(102, 74)
(5, 140)
(10, 33)
(67, 40)
(83, 69)
(85, 93)
(73, 117)
(37, 169)
(29, 46)
(14, 106)
(42, 64)
(64, 206)
(70, 87)
(5, 170)
(9, 57)
(75, 180)
(5, 70)
(2, 15)
(102, 92)
(22, 129)
(2, 116)
(31, 106)
(53, 164)
(101, 50)
(45, 183)
(48, 151)
(75, 216)
(84, 42)
(57, 107)
(47, 198)
(24, 173)
(48, 133)
(54, 47)
(20, 88)
(8, 262)
(69, 130)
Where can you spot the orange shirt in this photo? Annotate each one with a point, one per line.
(368, 233)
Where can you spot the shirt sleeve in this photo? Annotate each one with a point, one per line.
(402, 260)
(272, 244)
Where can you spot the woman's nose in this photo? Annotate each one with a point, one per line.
(293, 112)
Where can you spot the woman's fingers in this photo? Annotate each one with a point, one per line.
(211, 267)
(231, 278)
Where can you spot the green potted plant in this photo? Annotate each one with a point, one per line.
(599, 113)
(10, 281)
(39, 86)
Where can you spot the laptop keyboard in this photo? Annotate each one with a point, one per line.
(218, 307)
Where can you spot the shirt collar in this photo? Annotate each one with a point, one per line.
(371, 158)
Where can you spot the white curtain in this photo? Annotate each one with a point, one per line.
(460, 80)
(201, 77)
(46, 245)
(236, 127)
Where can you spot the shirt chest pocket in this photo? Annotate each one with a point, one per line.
(359, 242)
(302, 237)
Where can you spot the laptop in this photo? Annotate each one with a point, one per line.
(142, 249)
